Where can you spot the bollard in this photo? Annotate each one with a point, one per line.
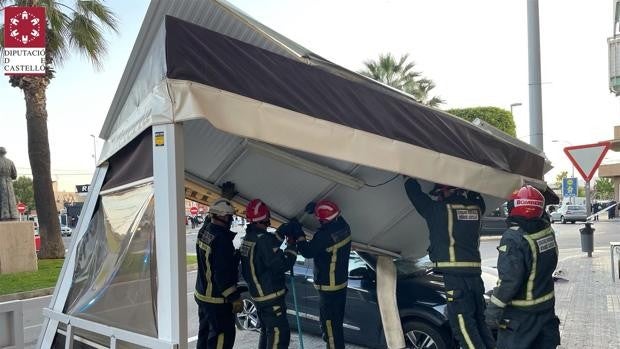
(587, 238)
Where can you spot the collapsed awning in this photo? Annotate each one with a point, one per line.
(290, 127)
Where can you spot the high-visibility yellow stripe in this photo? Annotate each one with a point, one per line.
(220, 341)
(259, 289)
(332, 268)
(276, 337)
(470, 345)
(457, 264)
(339, 244)
(530, 302)
(530, 281)
(330, 334)
(332, 265)
(466, 207)
(331, 288)
(227, 292)
(540, 234)
(498, 302)
(207, 249)
(215, 300)
(450, 234)
(269, 296)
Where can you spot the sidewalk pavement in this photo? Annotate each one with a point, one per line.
(588, 302)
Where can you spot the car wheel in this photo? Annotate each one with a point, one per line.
(420, 335)
(248, 318)
(563, 220)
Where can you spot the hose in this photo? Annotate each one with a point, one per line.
(301, 337)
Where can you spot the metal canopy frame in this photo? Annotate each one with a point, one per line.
(168, 179)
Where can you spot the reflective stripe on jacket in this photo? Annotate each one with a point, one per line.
(525, 265)
(454, 229)
(330, 248)
(264, 264)
(218, 266)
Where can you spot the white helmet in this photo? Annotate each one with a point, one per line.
(221, 207)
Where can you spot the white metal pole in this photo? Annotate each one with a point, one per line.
(169, 177)
(535, 93)
(588, 210)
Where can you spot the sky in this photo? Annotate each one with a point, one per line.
(475, 51)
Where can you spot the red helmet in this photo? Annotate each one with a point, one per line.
(526, 202)
(326, 211)
(257, 211)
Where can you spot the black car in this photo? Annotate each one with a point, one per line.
(420, 294)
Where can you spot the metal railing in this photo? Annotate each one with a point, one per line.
(11, 325)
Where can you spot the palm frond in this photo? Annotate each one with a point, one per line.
(99, 10)
(86, 36)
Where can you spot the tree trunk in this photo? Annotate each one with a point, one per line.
(39, 153)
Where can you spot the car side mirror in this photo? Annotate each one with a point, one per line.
(359, 273)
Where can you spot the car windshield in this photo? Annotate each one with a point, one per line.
(404, 267)
(577, 208)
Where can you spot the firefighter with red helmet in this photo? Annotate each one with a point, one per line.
(522, 305)
(216, 283)
(330, 248)
(453, 221)
(264, 265)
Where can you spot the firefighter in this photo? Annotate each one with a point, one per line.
(330, 247)
(453, 221)
(263, 265)
(522, 305)
(216, 282)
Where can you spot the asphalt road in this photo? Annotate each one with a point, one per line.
(567, 235)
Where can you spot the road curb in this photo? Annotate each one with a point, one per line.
(26, 295)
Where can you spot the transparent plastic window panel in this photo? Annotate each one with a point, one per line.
(114, 281)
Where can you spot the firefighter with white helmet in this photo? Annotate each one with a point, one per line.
(330, 247)
(216, 283)
(522, 305)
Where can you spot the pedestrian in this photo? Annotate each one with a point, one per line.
(453, 221)
(264, 265)
(330, 248)
(595, 208)
(522, 305)
(216, 281)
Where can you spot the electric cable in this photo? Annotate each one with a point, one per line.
(384, 183)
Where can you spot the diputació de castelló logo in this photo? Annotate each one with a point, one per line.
(24, 40)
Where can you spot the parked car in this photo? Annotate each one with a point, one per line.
(65, 230)
(494, 222)
(420, 294)
(569, 213)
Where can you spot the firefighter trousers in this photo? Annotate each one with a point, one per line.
(465, 295)
(331, 311)
(217, 326)
(275, 332)
(527, 330)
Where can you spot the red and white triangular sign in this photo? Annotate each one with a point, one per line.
(587, 157)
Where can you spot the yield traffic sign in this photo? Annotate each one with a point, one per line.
(21, 207)
(587, 157)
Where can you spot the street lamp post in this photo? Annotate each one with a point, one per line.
(514, 105)
(94, 149)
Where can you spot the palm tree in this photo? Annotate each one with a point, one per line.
(400, 74)
(81, 28)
